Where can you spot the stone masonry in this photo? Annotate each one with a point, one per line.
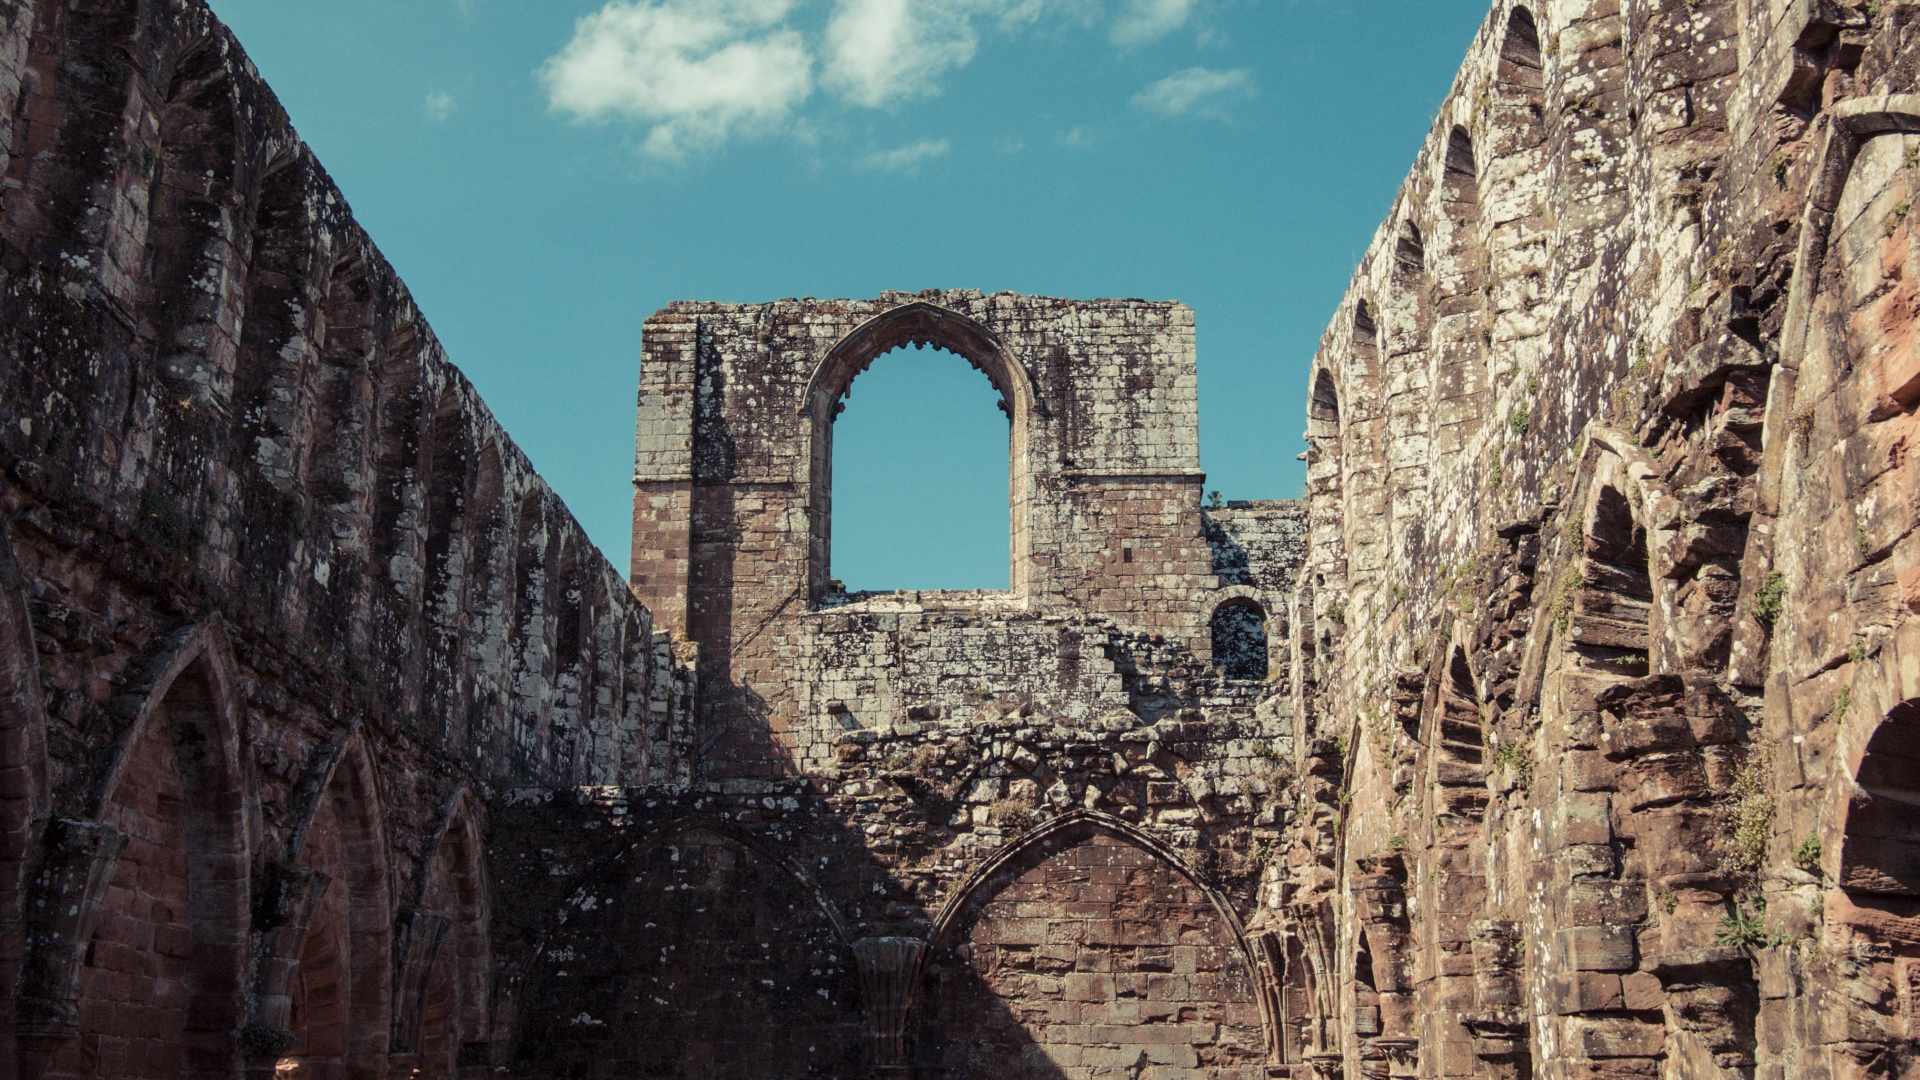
(1569, 726)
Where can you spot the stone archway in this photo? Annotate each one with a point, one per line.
(339, 990)
(918, 323)
(1086, 950)
(698, 952)
(160, 994)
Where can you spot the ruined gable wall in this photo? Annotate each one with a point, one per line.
(284, 605)
(735, 454)
(1600, 629)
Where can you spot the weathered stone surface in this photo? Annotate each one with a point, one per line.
(1567, 727)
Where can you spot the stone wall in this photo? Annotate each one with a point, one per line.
(1603, 632)
(283, 606)
(1008, 831)
(1568, 726)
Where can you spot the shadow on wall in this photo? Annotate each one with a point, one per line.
(699, 950)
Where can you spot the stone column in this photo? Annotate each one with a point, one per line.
(889, 975)
(282, 915)
(78, 860)
(416, 943)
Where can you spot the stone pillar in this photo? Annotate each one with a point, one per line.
(1499, 1024)
(282, 913)
(416, 941)
(78, 860)
(889, 975)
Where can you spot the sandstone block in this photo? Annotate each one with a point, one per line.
(1596, 948)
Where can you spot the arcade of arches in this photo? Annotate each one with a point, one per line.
(1568, 726)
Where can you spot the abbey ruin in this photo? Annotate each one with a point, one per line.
(1569, 726)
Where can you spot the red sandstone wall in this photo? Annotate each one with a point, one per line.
(282, 601)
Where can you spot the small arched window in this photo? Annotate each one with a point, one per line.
(1462, 176)
(1520, 51)
(1410, 253)
(1240, 640)
(1880, 856)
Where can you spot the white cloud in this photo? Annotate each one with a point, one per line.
(439, 106)
(1198, 91)
(1149, 20)
(906, 159)
(882, 51)
(697, 70)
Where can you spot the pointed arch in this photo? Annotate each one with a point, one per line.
(921, 324)
(1460, 177)
(1409, 253)
(972, 1008)
(194, 242)
(340, 469)
(449, 480)
(1880, 847)
(445, 992)
(1326, 435)
(178, 789)
(531, 663)
(340, 992)
(403, 417)
(1520, 59)
(489, 602)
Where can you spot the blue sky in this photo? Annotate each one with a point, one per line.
(546, 173)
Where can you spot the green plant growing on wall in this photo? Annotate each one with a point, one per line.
(1770, 598)
(1338, 613)
(1800, 423)
(1564, 598)
(1862, 541)
(1514, 759)
(1751, 823)
(1842, 701)
(1856, 650)
(1899, 215)
(1214, 501)
(1517, 422)
(1669, 901)
(1573, 534)
(1806, 855)
(1014, 813)
(1740, 930)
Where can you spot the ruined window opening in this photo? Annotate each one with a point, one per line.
(1240, 640)
(1410, 254)
(1324, 407)
(1607, 621)
(1462, 178)
(1881, 856)
(912, 507)
(1520, 51)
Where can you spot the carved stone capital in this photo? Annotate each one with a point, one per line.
(889, 974)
